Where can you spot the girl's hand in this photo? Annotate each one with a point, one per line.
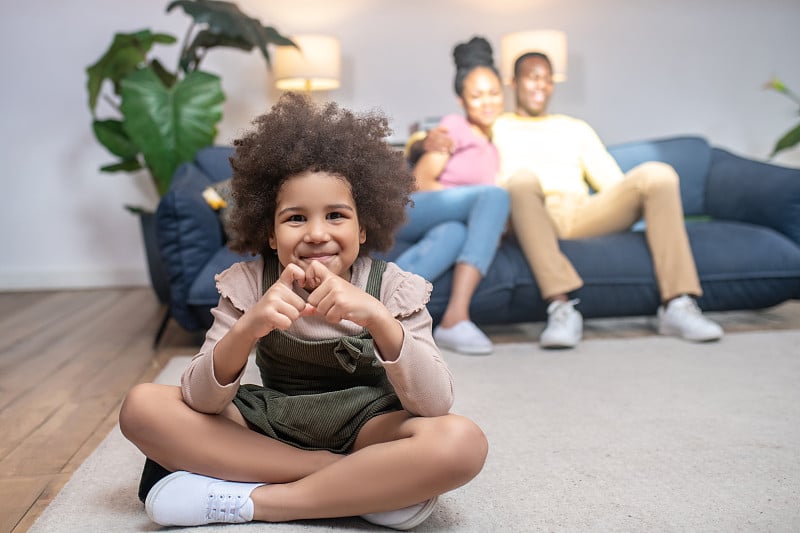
(337, 299)
(279, 307)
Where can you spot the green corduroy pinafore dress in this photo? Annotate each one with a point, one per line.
(317, 395)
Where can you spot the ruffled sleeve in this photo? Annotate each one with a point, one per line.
(404, 293)
(241, 283)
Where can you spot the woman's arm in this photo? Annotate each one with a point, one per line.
(428, 169)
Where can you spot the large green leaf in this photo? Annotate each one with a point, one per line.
(170, 124)
(789, 140)
(229, 24)
(127, 52)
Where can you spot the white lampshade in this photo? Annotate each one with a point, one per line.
(552, 43)
(316, 66)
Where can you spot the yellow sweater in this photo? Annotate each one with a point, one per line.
(564, 152)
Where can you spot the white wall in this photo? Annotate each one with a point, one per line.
(637, 69)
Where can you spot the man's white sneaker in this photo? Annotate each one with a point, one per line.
(186, 499)
(682, 318)
(564, 325)
(405, 518)
(464, 337)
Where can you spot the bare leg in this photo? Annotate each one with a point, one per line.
(465, 280)
(398, 461)
(157, 420)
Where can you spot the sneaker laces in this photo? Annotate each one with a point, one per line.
(559, 311)
(224, 507)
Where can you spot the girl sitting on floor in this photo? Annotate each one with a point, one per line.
(353, 416)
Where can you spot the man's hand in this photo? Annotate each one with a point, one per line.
(438, 140)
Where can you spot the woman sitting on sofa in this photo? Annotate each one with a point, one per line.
(459, 214)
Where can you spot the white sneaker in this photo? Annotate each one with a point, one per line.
(682, 318)
(464, 337)
(404, 518)
(186, 499)
(564, 325)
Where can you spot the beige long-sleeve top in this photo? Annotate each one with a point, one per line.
(564, 152)
(419, 375)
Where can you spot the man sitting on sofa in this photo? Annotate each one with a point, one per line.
(548, 163)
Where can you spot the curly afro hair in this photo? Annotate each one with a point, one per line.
(297, 136)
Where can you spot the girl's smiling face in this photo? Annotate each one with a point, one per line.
(316, 220)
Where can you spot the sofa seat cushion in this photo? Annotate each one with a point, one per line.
(744, 266)
(740, 266)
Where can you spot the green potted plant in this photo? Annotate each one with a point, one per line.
(161, 117)
(792, 137)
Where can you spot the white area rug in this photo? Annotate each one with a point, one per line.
(641, 434)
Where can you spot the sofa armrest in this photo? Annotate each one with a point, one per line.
(189, 234)
(746, 190)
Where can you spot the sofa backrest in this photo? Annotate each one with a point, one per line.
(690, 156)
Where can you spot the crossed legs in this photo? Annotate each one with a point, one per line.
(397, 460)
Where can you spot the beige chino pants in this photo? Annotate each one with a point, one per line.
(650, 190)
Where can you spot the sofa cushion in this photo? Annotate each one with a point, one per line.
(742, 266)
(690, 156)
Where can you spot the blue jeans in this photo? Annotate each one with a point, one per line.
(458, 225)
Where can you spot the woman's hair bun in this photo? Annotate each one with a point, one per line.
(477, 51)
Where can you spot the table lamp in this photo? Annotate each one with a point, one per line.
(314, 66)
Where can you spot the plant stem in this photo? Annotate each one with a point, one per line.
(185, 47)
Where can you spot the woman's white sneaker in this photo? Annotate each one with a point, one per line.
(464, 337)
(186, 499)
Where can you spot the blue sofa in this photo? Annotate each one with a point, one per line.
(743, 221)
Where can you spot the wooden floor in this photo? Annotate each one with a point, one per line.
(67, 358)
